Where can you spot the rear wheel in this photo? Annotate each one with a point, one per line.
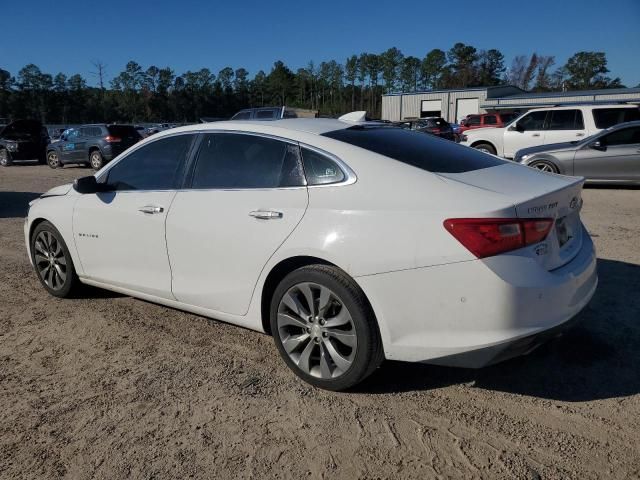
(53, 160)
(544, 166)
(95, 160)
(485, 147)
(52, 261)
(5, 159)
(324, 328)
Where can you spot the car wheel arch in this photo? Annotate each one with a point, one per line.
(483, 142)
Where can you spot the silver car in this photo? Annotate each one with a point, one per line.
(612, 155)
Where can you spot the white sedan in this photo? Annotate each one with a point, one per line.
(347, 242)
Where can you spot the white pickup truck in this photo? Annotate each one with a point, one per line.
(542, 126)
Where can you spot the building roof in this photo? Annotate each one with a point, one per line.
(575, 93)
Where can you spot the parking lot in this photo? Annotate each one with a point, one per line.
(105, 386)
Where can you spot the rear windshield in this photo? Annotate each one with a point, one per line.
(123, 131)
(415, 148)
(608, 117)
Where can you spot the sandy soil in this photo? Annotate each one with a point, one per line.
(106, 386)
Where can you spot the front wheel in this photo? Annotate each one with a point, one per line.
(5, 159)
(52, 261)
(544, 166)
(324, 328)
(486, 148)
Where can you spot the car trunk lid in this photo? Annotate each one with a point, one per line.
(536, 194)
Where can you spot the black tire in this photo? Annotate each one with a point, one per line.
(5, 158)
(544, 166)
(367, 354)
(96, 161)
(53, 159)
(485, 147)
(41, 250)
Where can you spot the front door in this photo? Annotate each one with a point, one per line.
(120, 234)
(617, 158)
(247, 196)
(528, 132)
(71, 146)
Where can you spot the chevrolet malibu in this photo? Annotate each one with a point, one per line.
(349, 242)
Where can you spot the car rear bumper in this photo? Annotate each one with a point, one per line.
(475, 313)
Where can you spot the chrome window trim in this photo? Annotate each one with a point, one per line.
(350, 176)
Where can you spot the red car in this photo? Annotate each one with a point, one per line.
(483, 120)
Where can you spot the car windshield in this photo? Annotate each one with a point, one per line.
(417, 149)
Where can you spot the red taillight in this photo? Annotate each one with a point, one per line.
(112, 139)
(485, 237)
(435, 130)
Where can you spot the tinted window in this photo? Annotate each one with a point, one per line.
(507, 117)
(472, 121)
(242, 116)
(416, 149)
(490, 120)
(566, 120)
(533, 121)
(266, 114)
(320, 170)
(608, 117)
(626, 136)
(246, 161)
(123, 131)
(155, 166)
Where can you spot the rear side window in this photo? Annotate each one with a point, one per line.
(417, 149)
(230, 161)
(320, 169)
(608, 117)
(490, 120)
(154, 166)
(266, 114)
(566, 120)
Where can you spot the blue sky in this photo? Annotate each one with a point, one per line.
(66, 35)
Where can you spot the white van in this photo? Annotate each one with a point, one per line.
(542, 126)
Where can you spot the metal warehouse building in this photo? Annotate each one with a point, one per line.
(454, 105)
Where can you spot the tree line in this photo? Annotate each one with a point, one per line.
(159, 94)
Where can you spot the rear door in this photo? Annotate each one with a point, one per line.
(618, 157)
(564, 126)
(530, 132)
(247, 195)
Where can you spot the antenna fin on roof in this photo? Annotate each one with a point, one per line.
(360, 116)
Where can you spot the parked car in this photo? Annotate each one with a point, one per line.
(274, 113)
(611, 156)
(142, 130)
(542, 126)
(484, 120)
(299, 228)
(93, 145)
(23, 140)
(437, 126)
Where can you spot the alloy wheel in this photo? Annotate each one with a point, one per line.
(50, 260)
(544, 167)
(95, 160)
(317, 330)
(4, 157)
(52, 159)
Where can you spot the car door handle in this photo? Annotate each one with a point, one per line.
(535, 135)
(265, 214)
(151, 209)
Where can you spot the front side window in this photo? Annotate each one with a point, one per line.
(608, 117)
(245, 115)
(473, 121)
(266, 114)
(533, 121)
(155, 166)
(490, 120)
(230, 160)
(320, 170)
(566, 120)
(626, 136)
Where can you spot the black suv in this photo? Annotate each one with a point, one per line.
(93, 145)
(23, 140)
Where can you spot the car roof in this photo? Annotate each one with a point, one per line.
(316, 126)
(585, 105)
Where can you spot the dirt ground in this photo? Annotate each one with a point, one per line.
(106, 386)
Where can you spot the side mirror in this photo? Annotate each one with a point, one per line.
(598, 145)
(89, 185)
(517, 127)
